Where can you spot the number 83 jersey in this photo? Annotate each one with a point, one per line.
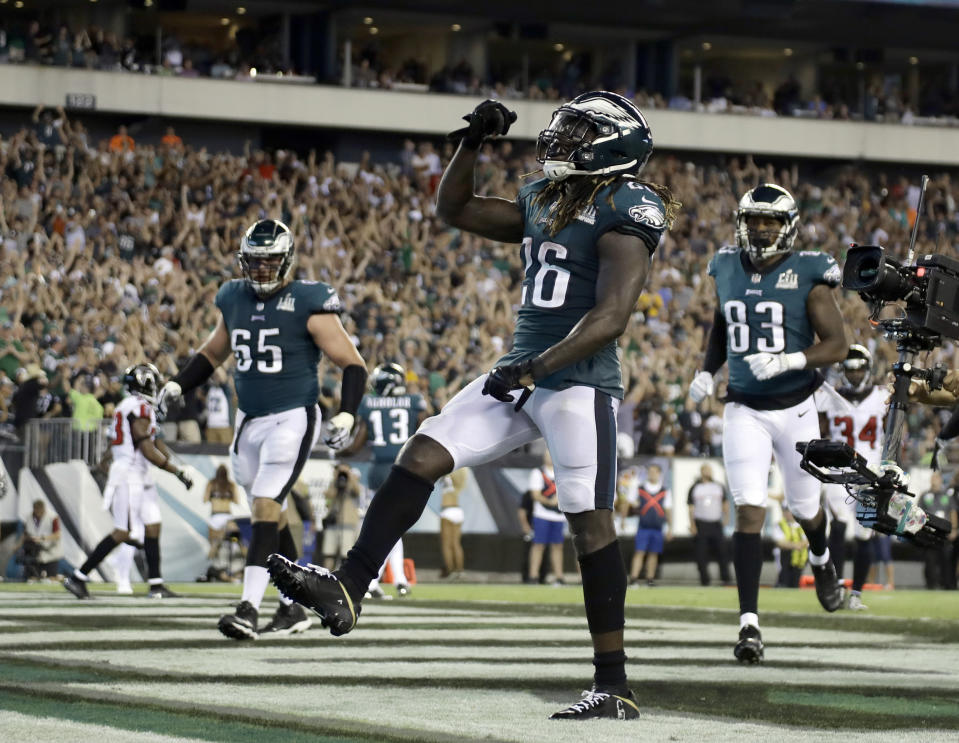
(559, 284)
(276, 357)
(766, 311)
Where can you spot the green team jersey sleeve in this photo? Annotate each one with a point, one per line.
(636, 210)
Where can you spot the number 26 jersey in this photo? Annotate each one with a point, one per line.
(560, 271)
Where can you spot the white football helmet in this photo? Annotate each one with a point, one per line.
(768, 200)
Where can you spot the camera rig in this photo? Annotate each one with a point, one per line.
(930, 293)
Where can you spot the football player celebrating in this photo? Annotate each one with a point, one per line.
(588, 232)
(130, 493)
(387, 418)
(276, 328)
(857, 420)
(772, 303)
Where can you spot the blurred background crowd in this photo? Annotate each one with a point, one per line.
(113, 250)
(395, 51)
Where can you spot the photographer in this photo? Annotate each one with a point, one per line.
(41, 543)
(343, 516)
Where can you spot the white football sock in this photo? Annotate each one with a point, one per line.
(255, 581)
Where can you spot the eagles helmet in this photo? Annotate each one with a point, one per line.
(596, 133)
(858, 359)
(389, 379)
(142, 380)
(767, 200)
(266, 256)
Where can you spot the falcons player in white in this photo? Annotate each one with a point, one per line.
(858, 420)
(136, 514)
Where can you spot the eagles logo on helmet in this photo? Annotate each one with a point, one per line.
(858, 360)
(596, 133)
(767, 200)
(266, 256)
(389, 379)
(142, 380)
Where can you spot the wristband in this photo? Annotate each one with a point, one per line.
(197, 370)
(352, 388)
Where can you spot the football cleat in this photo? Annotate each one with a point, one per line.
(160, 591)
(378, 594)
(288, 620)
(318, 590)
(240, 625)
(749, 649)
(600, 704)
(829, 591)
(403, 590)
(854, 603)
(76, 586)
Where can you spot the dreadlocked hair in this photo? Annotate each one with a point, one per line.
(573, 195)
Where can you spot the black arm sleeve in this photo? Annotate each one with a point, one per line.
(716, 345)
(197, 370)
(352, 388)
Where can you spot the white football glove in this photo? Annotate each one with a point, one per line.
(701, 387)
(170, 393)
(336, 431)
(765, 365)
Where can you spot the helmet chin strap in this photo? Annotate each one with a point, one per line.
(557, 170)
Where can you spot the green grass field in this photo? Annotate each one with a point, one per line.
(471, 663)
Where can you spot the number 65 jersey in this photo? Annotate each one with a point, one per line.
(560, 271)
(276, 357)
(766, 311)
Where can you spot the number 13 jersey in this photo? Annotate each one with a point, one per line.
(559, 283)
(766, 311)
(276, 357)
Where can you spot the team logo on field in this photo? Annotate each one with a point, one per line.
(286, 303)
(647, 214)
(588, 215)
(788, 280)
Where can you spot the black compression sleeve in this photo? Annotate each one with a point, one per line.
(716, 346)
(352, 388)
(197, 370)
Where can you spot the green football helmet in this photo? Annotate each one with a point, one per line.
(596, 133)
(266, 256)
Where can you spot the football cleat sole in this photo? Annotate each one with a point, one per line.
(235, 628)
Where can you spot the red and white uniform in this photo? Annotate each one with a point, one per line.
(859, 424)
(131, 494)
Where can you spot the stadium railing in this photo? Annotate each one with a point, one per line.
(52, 440)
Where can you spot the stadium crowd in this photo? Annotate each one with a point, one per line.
(250, 53)
(112, 252)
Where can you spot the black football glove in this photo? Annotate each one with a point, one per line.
(504, 379)
(488, 119)
(184, 478)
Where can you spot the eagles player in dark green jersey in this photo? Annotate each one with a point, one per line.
(275, 328)
(587, 234)
(386, 420)
(776, 322)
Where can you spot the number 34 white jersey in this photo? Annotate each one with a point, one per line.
(859, 424)
(125, 454)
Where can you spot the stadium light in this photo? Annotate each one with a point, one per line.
(368, 21)
(558, 47)
(241, 10)
(224, 21)
(913, 60)
(455, 27)
(788, 52)
(374, 30)
(707, 46)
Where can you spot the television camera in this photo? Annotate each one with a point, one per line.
(926, 293)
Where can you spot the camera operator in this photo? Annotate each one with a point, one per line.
(343, 515)
(41, 543)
